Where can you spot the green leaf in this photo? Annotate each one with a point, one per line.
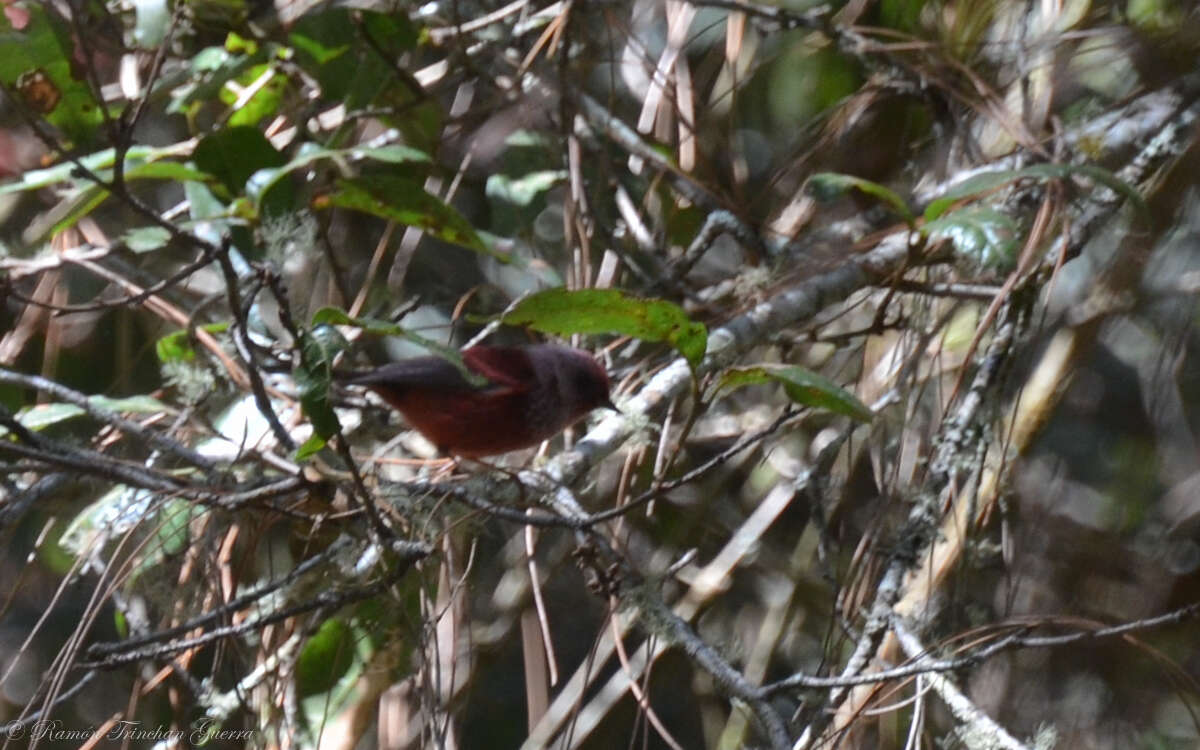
(801, 385)
(333, 316)
(805, 79)
(145, 239)
(320, 53)
(266, 98)
(209, 70)
(396, 153)
(310, 448)
(36, 67)
(981, 234)
(329, 668)
(82, 203)
(326, 656)
(218, 15)
(233, 154)
(41, 416)
(827, 186)
(36, 179)
(210, 59)
(203, 204)
(173, 531)
(318, 348)
(130, 404)
(329, 45)
(523, 190)
(406, 202)
(1092, 172)
(177, 346)
(393, 31)
(564, 312)
(89, 195)
(988, 181)
(174, 347)
(163, 170)
(236, 43)
(262, 181)
(903, 15)
(969, 188)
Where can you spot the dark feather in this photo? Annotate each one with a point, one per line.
(503, 367)
(420, 371)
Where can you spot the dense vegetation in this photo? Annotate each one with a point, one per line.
(897, 299)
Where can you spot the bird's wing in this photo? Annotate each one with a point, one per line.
(509, 367)
(425, 372)
(505, 368)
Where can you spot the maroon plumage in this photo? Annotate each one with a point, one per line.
(532, 393)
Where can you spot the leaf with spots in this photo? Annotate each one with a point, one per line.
(406, 202)
(801, 385)
(564, 312)
(827, 186)
(318, 348)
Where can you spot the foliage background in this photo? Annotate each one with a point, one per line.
(978, 218)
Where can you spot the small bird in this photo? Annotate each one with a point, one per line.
(532, 393)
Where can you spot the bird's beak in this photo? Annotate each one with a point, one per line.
(608, 404)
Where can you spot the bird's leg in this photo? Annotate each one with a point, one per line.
(445, 468)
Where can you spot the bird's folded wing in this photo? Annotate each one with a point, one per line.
(505, 366)
(419, 372)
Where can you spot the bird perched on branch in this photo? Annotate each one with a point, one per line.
(524, 395)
